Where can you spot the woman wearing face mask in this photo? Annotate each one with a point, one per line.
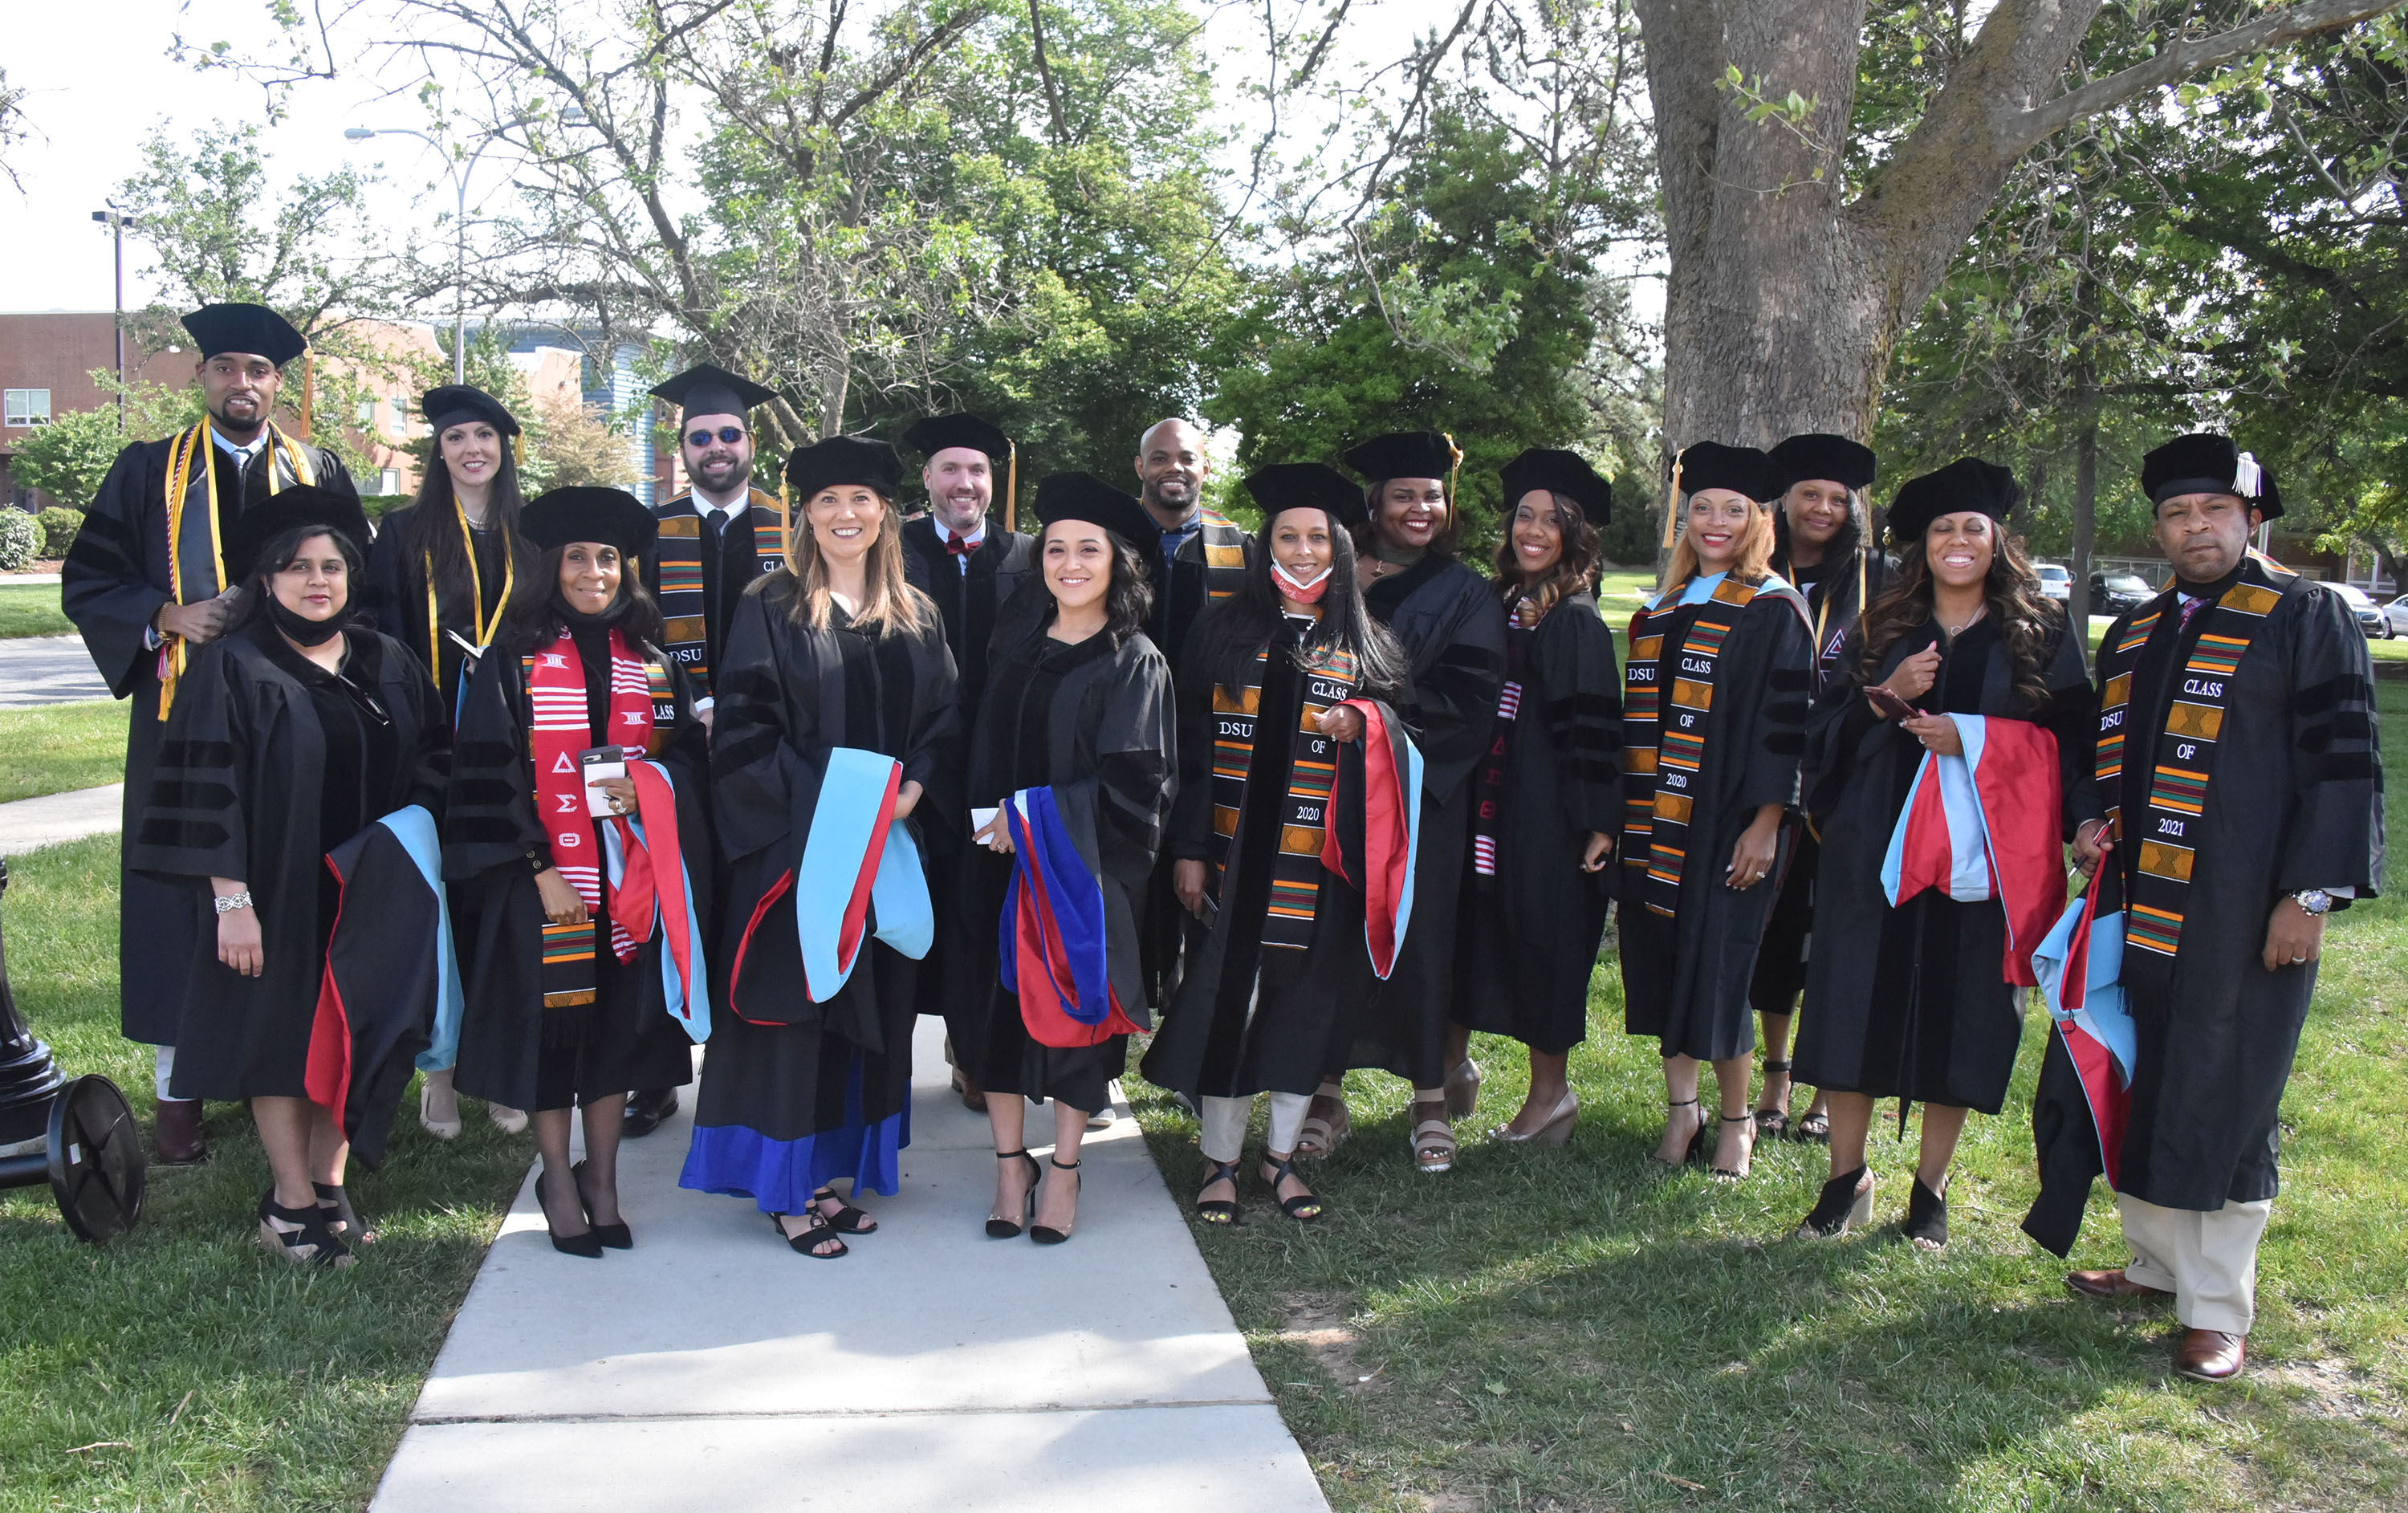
(837, 718)
(1074, 736)
(290, 735)
(441, 577)
(1713, 708)
(568, 1006)
(1280, 721)
(1819, 546)
(1546, 799)
(1912, 1002)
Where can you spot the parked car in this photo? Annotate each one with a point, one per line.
(2113, 593)
(2395, 615)
(2055, 581)
(2371, 618)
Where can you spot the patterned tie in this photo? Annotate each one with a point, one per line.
(2190, 606)
(962, 545)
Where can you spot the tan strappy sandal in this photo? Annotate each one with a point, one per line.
(1433, 1144)
(1321, 1134)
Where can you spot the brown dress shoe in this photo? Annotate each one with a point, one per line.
(2208, 1355)
(177, 1133)
(2111, 1283)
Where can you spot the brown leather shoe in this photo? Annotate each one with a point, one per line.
(2208, 1355)
(177, 1133)
(972, 1097)
(2111, 1283)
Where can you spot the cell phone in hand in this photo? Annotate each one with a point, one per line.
(1890, 704)
(596, 763)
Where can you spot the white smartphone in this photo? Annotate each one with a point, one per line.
(598, 762)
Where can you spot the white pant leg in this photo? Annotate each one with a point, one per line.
(2212, 1259)
(1223, 1137)
(163, 1069)
(1287, 1120)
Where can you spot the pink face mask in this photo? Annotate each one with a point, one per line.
(1303, 593)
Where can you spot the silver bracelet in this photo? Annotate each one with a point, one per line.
(228, 902)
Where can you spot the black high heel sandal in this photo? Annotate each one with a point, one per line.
(342, 1221)
(1696, 1137)
(309, 1244)
(612, 1237)
(1004, 1229)
(1846, 1203)
(1724, 1173)
(1219, 1211)
(1774, 1122)
(1927, 1217)
(1305, 1207)
(815, 1233)
(589, 1244)
(847, 1220)
(1043, 1233)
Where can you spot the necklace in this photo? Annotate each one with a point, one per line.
(1970, 621)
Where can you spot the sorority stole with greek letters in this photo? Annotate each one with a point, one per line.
(643, 707)
(1303, 809)
(678, 558)
(1664, 743)
(2185, 754)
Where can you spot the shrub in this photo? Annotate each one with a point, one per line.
(58, 526)
(20, 536)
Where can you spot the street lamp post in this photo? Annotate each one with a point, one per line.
(119, 223)
(460, 172)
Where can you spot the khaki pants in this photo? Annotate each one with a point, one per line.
(2207, 1261)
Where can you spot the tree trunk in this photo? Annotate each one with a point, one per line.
(832, 405)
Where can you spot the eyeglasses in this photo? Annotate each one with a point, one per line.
(728, 434)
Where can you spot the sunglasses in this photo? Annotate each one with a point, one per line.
(728, 434)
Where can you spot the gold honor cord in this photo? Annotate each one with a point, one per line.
(1011, 487)
(486, 629)
(196, 445)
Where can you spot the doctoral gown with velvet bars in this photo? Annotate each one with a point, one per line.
(2294, 801)
(397, 598)
(796, 1094)
(1529, 934)
(514, 1050)
(268, 763)
(1685, 980)
(1913, 1001)
(1093, 723)
(1453, 629)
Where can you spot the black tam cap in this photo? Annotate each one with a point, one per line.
(1967, 483)
(1710, 464)
(1312, 486)
(705, 390)
(840, 459)
(455, 402)
(1818, 454)
(610, 516)
(300, 506)
(1083, 496)
(1566, 473)
(2206, 462)
(252, 329)
(1405, 454)
(934, 434)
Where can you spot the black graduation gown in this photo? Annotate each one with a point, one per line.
(1685, 980)
(797, 1094)
(743, 556)
(396, 598)
(1910, 1002)
(1453, 629)
(112, 585)
(268, 763)
(514, 1051)
(1093, 723)
(1530, 931)
(2294, 801)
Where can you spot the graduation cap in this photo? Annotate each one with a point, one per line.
(1818, 454)
(932, 434)
(455, 402)
(1710, 464)
(252, 329)
(586, 513)
(1406, 454)
(1311, 486)
(706, 390)
(298, 506)
(840, 460)
(1083, 496)
(1967, 483)
(1566, 473)
(2206, 462)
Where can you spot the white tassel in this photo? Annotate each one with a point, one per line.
(2248, 480)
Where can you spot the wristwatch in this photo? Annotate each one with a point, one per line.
(2315, 902)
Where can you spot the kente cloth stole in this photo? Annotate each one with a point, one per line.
(1224, 555)
(1664, 736)
(2185, 754)
(195, 556)
(1303, 809)
(643, 709)
(679, 589)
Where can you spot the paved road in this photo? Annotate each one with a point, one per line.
(37, 670)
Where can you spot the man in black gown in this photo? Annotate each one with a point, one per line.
(146, 583)
(2245, 802)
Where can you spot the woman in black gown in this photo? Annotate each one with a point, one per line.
(834, 669)
(1910, 1002)
(1077, 707)
(567, 1010)
(441, 575)
(290, 735)
(1547, 796)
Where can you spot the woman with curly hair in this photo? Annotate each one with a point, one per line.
(1909, 1001)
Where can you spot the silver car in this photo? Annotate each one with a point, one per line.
(2055, 581)
(2371, 618)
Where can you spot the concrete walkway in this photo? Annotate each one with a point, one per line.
(28, 824)
(37, 670)
(932, 1369)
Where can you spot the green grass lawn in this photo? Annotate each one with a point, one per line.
(62, 746)
(1574, 1330)
(180, 1368)
(31, 609)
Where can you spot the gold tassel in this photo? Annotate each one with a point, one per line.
(1011, 487)
(518, 448)
(1453, 465)
(1673, 504)
(785, 522)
